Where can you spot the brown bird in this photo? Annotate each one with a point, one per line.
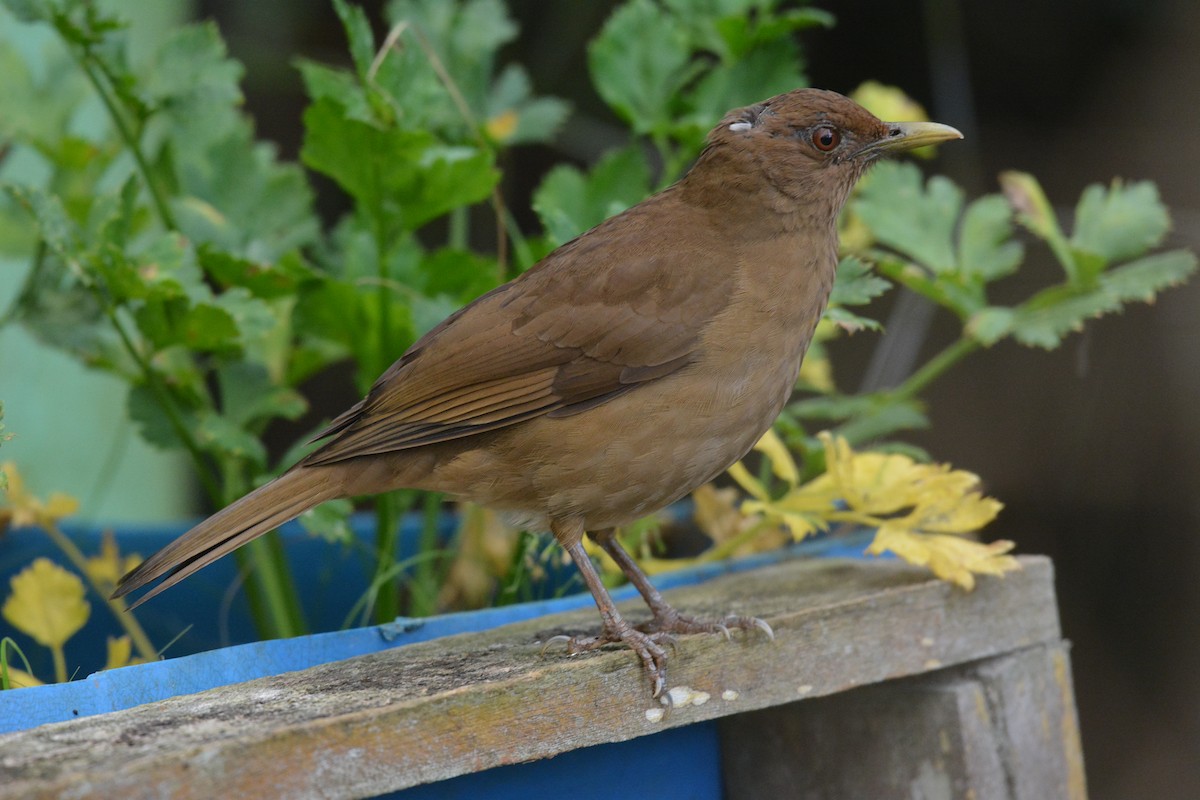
(630, 366)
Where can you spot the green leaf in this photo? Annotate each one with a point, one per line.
(330, 521)
(991, 324)
(241, 199)
(168, 321)
(1062, 311)
(218, 434)
(570, 203)
(153, 423)
(55, 227)
(400, 178)
(1142, 279)
(534, 119)
(639, 62)
(1120, 222)
(986, 249)
(38, 103)
(849, 321)
(856, 284)
(465, 37)
(460, 274)
(915, 220)
(769, 69)
(262, 279)
(250, 396)
(358, 34)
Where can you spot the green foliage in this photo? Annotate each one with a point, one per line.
(920, 235)
(670, 69)
(570, 202)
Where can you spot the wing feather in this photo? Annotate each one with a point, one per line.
(597, 318)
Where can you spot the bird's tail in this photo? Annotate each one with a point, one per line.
(264, 509)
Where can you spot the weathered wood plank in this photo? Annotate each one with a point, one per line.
(999, 729)
(466, 703)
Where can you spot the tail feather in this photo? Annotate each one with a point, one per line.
(263, 510)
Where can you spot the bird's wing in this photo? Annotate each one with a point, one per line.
(600, 316)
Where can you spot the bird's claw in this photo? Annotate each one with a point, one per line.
(668, 620)
(762, 625)
(649, 647)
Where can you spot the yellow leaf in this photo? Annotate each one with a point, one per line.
(716, 512)
(120, 652)
(46, 603)
(853, 234)
(817, 372)
(888, 103)
(892, 104)
(954, 513)
(24, 509)
(485, 550)
(798, 524)
(20, 679)
(108, 567)
(748, 482)
(771, 446)
(951, 558)
(875, 483)
(1028, 199)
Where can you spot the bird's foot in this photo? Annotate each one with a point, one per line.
(650, 647)
(667, 620)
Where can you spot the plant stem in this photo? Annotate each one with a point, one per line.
(387, 533)
(89, 64)
(934, 368)
(425, 579)
(728, 547)
(457, 237)
(284, 618)
(272, 595)
(124, 617)
(60, 663)
(168, 406)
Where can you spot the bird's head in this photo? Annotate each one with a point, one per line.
(807, 145)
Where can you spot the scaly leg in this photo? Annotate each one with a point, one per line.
(648, 646)
(666, 618)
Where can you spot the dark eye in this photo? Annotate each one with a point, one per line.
(826, 137)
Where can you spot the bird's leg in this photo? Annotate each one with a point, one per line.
(648, 646)
(666, 618)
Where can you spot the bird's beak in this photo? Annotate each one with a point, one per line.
(907, 135)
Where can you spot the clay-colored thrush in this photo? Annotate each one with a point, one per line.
(627, 368)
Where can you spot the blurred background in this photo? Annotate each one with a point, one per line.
(1093, 448)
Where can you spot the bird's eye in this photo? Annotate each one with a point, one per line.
(826, 137)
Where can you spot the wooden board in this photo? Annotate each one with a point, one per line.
(466, 703)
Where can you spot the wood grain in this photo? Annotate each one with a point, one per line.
(466, 703)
